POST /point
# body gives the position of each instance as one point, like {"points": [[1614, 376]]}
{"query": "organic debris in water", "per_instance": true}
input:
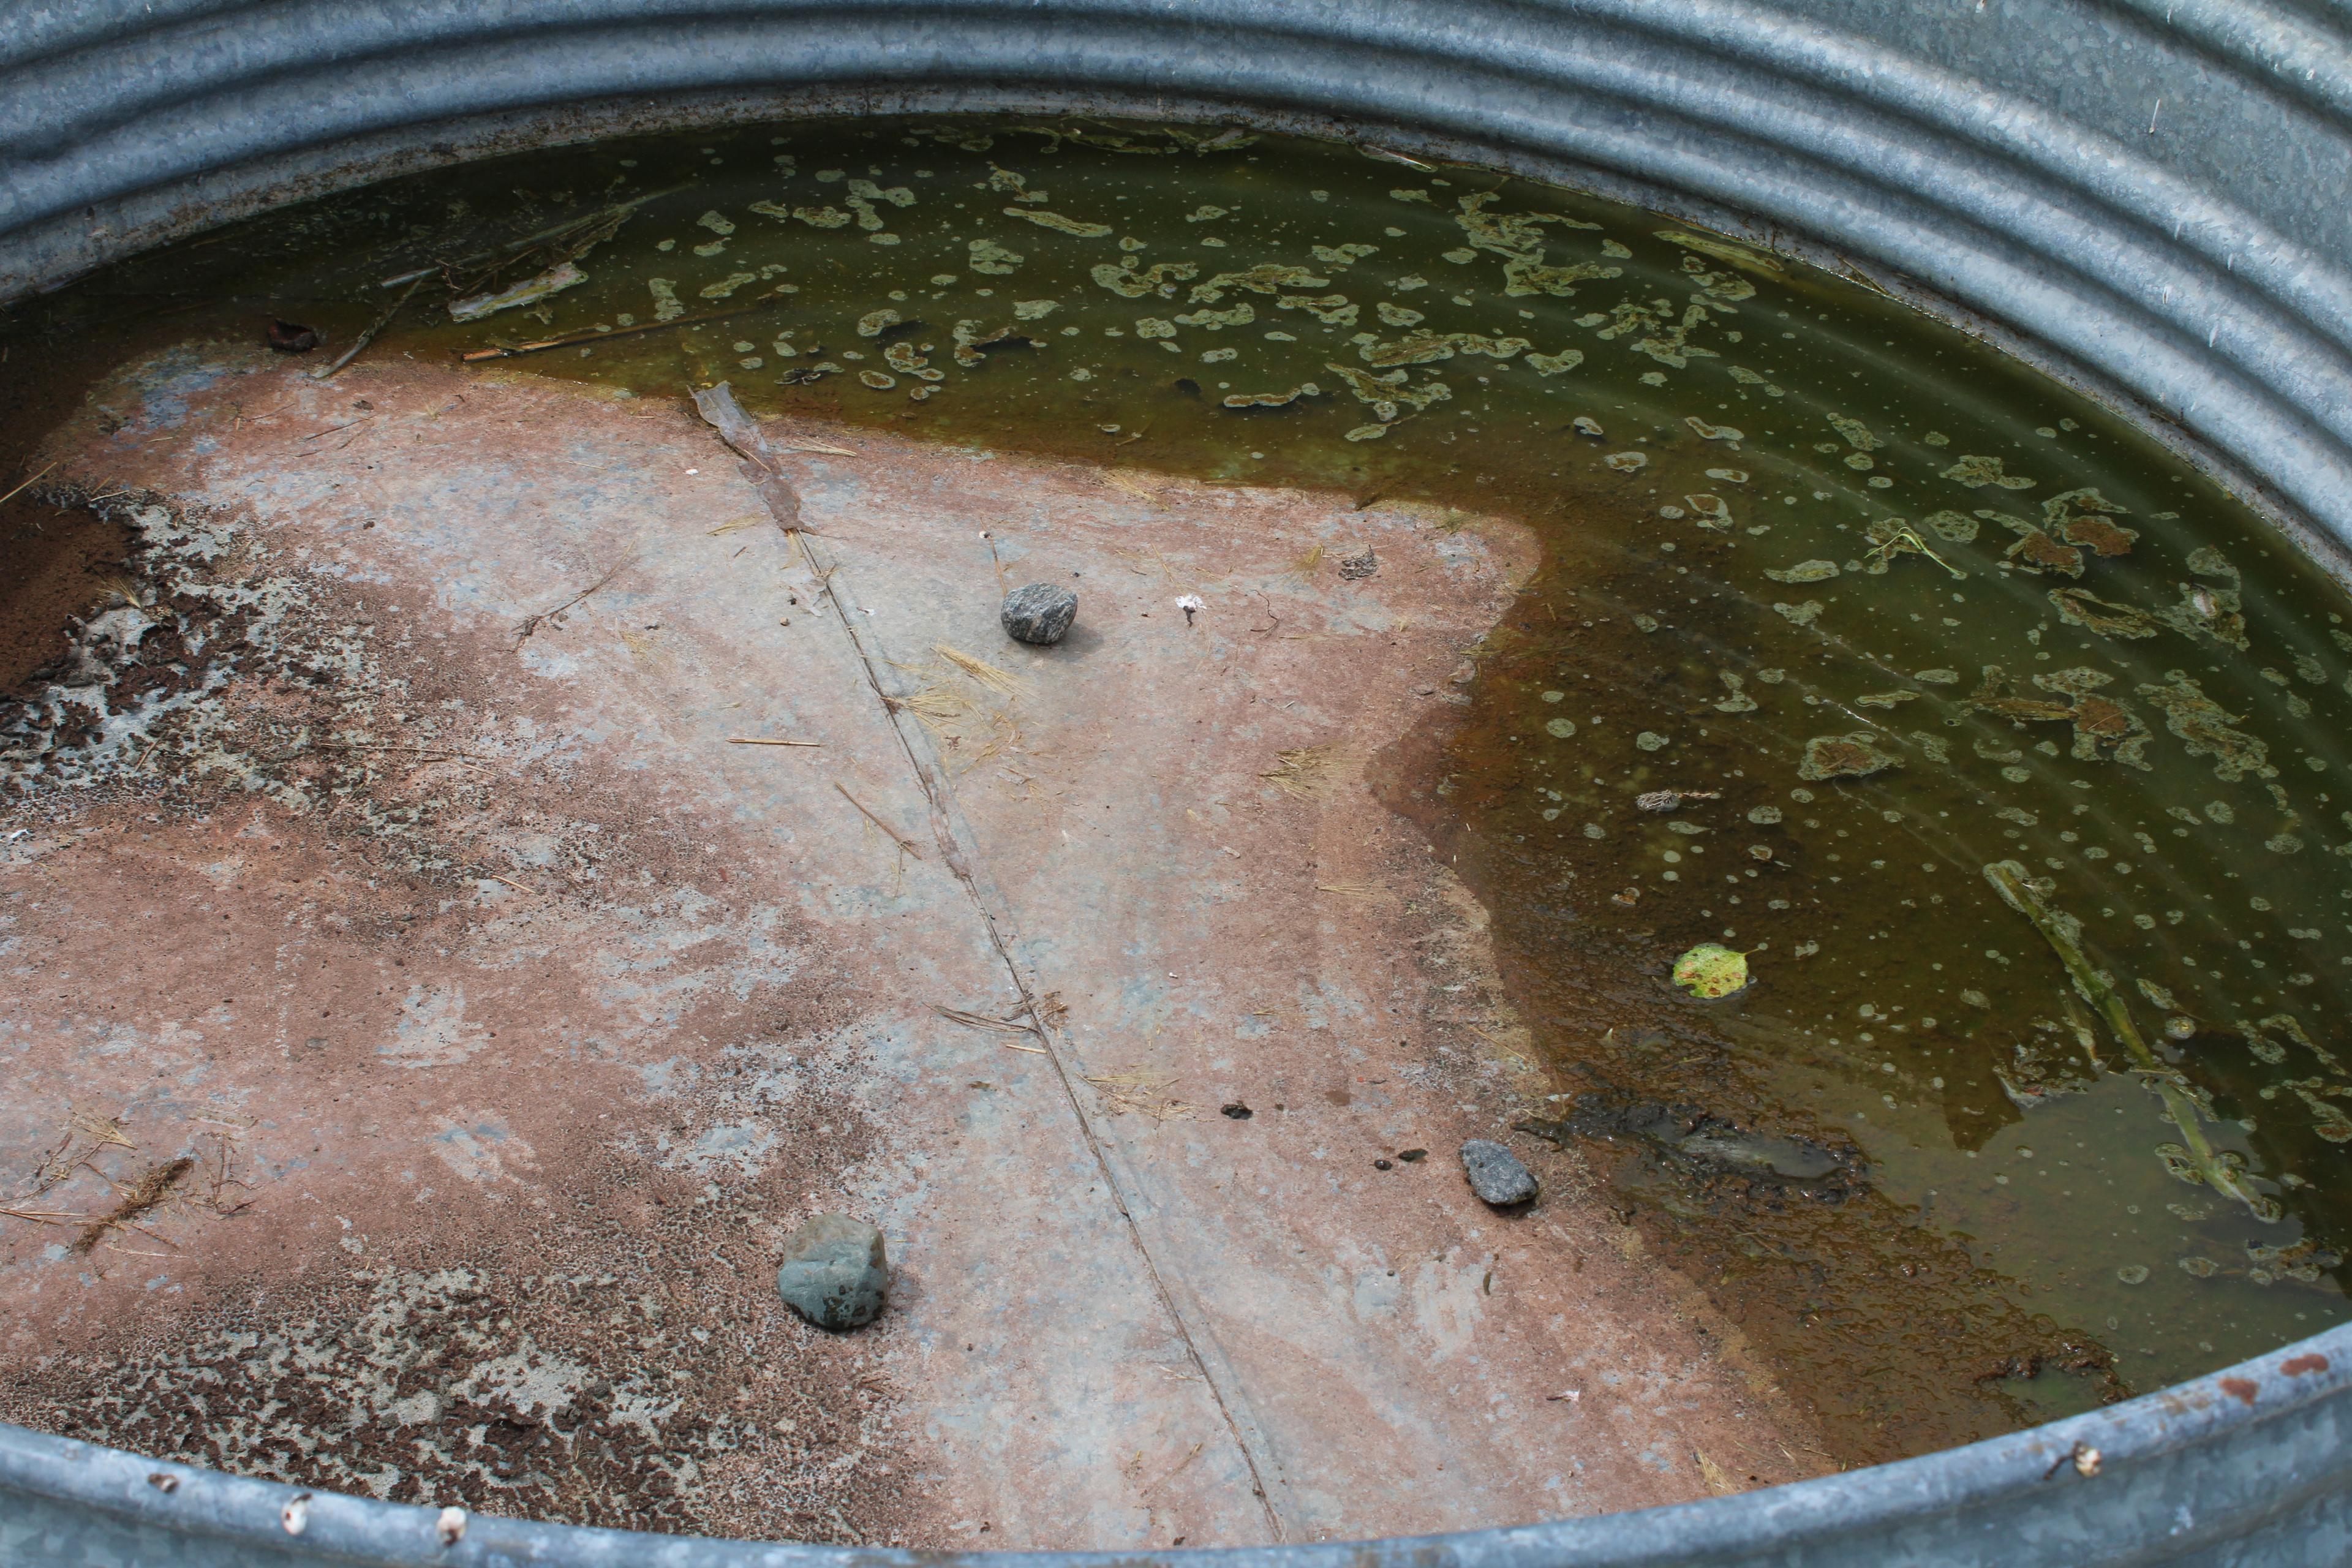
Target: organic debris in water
{"points": [[2194, 1159], [531, 291], [1663, 800], [1850, 756], [1710, 971]]}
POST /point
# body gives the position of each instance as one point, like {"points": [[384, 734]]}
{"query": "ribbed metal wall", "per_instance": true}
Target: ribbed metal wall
{"points": [[2148, 197], [2151, 199]]}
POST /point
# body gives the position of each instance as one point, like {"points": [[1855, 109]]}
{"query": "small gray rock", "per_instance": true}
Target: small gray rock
{"points": [[835, 1273], [1039, 613], [1495, 1174]]}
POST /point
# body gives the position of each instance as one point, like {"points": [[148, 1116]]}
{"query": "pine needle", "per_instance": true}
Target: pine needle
{"points": [[949, 711], [44, 469], [971, 1020], [1142, 487], [900, 839], [1004, 682]]}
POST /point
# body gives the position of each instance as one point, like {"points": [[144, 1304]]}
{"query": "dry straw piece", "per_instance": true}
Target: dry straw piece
{"points": [[904, 843], [1303, 773], [955, 717], [1145, 1093], [143, 1194]]}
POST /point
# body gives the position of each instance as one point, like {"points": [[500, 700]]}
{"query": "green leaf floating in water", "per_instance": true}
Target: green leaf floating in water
{"points": [[1709, 971]]}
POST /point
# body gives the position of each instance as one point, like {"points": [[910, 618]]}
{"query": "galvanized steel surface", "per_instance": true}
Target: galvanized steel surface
{"points": [[2152, 198], [2246, 1468], [2160, 205]]}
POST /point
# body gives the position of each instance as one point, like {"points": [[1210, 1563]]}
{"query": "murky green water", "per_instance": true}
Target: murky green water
{"points": [[1883, 609]]}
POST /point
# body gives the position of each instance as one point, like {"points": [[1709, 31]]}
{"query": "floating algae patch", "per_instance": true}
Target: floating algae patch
{"points": [[2007, 757]]}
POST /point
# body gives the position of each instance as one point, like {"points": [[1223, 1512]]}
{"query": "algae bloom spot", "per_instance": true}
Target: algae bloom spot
{"points": [[1710, 970]]}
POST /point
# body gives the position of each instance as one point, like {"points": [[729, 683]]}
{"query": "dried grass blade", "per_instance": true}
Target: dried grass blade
{"points": [[145, 1194], [1303, 772], [900, 839], [1001, 681], [980, 1020]]}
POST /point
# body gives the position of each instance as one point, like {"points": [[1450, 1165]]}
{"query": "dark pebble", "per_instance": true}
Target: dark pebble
{"points": [[1039, 613], [1384, 1165], [292, 337], [1238, 1111], [1411, 1156]]}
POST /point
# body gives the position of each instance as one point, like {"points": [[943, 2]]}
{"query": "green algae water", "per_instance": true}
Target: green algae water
{"points": [[2007, 754]]}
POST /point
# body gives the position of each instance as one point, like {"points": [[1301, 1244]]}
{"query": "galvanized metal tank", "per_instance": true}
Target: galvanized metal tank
{"points": [[2149, 199]]}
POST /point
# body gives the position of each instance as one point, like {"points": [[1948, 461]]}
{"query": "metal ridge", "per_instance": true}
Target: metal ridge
{"points": [[2017, 214], [2246, 1465]]}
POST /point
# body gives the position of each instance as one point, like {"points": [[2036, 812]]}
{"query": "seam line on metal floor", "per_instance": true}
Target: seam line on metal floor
{"points": [[951, 832]]}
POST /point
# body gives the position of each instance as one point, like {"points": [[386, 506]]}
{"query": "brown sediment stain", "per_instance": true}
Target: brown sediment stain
{"points": [[435, 1284], [2241, 1389], [453, 1069], [2296, 1366], [58, 566], [1874, 1326]]}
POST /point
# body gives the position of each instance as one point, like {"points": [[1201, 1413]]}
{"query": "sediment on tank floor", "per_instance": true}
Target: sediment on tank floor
{"points": [[1855, 816], [514, 1013]]}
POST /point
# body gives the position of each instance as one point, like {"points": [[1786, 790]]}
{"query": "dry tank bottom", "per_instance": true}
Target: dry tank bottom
{"points": [[547, 882]]}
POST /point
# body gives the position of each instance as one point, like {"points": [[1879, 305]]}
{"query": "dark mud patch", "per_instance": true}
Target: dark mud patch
{"points": [[451, 1224], [624, 1362], [58, 567], [1709, 1152], [1889, 1338]]}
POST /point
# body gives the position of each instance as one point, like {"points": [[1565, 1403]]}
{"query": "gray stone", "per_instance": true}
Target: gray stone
{"points": [[1039, 613], [1495, 1174], [835, 1273]]}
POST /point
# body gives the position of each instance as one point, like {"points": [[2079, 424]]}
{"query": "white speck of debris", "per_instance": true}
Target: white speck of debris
{"points": [[451, 1526], [1191, 604], [694, 470], [296, 1515], [20, 833], [1569, 1395]]}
